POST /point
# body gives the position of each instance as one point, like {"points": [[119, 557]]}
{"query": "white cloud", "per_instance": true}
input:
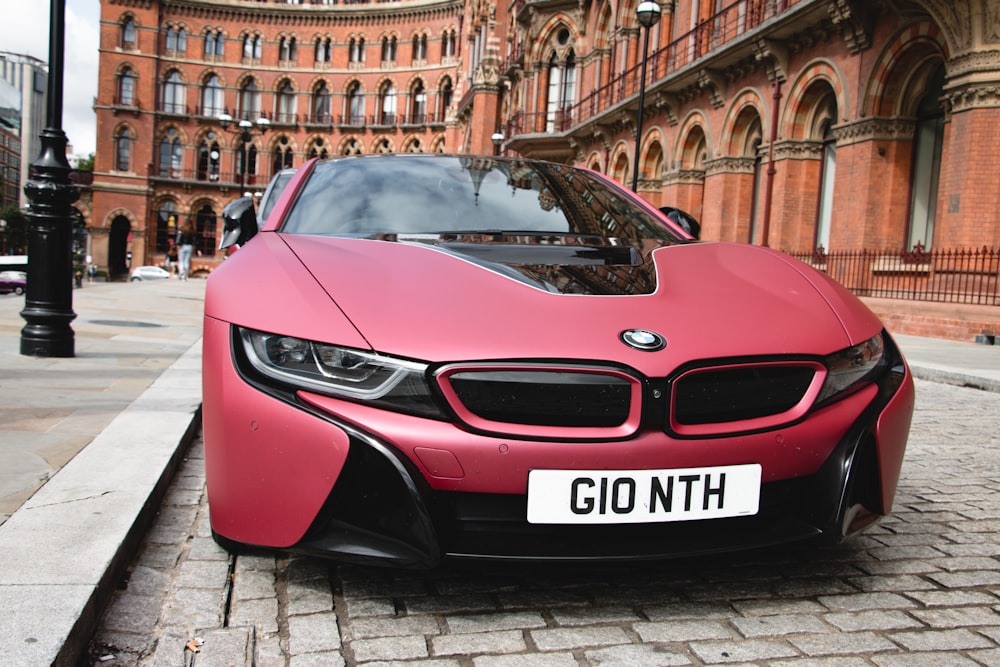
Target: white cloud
{"points": [[24, 29]]}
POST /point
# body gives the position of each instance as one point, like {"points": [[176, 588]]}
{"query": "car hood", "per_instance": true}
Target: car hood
{"points": [[442, 299]]}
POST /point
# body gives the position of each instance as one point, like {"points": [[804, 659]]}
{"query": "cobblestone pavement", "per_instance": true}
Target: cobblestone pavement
{"points": [[920, 588]]}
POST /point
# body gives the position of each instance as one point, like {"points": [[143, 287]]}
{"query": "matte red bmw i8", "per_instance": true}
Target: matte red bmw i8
{"points": [[421, 357]]}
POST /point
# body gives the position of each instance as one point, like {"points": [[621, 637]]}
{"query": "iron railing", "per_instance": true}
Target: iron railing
{"points": [[951, 275], [731, 23]]}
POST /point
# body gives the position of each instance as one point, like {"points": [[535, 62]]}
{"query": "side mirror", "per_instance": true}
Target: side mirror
{"points": [[239, 222], [683, 219]]}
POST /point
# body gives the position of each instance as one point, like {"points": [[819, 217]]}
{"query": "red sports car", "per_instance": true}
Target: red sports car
{"points": [[426, 356]]}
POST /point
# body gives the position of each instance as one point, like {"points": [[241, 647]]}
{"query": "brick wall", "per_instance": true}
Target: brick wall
{"points": [[936, 320]]}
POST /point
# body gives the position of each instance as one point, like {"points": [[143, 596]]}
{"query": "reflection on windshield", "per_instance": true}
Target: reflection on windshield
{"points": [[434, 194]]}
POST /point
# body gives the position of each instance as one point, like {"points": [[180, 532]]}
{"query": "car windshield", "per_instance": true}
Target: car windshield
{"points": [[435, 194]]}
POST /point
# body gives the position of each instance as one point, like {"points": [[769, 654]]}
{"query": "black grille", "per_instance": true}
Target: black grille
{"points": [[544, 398], [731, 394]]}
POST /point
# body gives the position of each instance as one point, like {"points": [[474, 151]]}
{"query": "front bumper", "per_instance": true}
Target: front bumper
{"points": [[291, 473]]}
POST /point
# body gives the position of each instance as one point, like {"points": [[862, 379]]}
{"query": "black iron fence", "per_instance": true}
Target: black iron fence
{"points": [[953, 275]]}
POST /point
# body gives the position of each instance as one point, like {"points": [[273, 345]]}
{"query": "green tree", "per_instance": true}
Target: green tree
{"points": [[86, 163], [15, 232]]}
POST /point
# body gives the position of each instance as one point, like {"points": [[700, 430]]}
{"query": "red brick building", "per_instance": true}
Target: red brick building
{"points": [[799, 124]]}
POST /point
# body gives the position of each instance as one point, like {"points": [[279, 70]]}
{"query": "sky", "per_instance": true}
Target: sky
{"points": [[24, 28]]}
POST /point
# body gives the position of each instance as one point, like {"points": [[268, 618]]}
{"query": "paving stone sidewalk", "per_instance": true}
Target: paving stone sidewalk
{"points": [[921, 588]]}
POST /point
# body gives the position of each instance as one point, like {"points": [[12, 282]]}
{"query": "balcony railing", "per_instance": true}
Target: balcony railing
{"points": [[968, 276], [724, 27]]}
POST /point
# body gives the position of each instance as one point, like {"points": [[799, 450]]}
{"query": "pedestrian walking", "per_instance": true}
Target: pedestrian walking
{"points": [[185, 246]]}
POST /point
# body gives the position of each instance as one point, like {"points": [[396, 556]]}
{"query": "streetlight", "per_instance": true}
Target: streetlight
{"points": [[48, 303], [648, 14], [245, 131], [497, 139]]}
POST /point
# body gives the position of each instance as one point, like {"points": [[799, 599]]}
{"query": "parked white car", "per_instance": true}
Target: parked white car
{"points": [[141, 273]]}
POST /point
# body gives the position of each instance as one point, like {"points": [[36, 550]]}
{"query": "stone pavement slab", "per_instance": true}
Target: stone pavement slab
{"points": [[94, 440]]}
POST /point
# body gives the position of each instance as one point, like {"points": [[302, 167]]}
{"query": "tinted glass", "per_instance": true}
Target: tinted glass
{"points": [[433, 194]]}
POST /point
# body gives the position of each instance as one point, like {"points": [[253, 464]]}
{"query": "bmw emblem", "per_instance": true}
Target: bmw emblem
{"points": [[644, 340]]}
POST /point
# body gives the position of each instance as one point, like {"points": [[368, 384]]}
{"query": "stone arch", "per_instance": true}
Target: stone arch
{"points": [[350, 145], [548, 42], [413, 144], [904, 65], [382, 144], [652, 157], [620, 165], [692, 149], [595, 163], [742, 125], [805, 100]]}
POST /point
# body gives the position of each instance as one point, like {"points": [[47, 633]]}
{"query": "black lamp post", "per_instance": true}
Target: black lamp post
{"points": [[648, 14], [48, 304], [245, 131]]}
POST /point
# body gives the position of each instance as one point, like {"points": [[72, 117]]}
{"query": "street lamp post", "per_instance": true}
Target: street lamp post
{"points": [[497, 139], [648, 14], [245, 131], [48, 304]]}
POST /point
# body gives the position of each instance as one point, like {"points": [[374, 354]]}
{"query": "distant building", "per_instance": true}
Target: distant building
{"points": [[10, 164], [23, 86]]}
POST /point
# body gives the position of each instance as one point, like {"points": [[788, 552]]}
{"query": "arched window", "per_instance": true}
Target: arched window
{"points": [[355, 105], [445, 95], [418, 103], [126, 88], [827, 175], [128, 34], [323, 50], [212, 98], [321, 103], [123, 149], [173, 93], [561, 91], [317, 149], [387, 104], [171, 154], [448, 42], [246, 165], [383, 146], [252, 46], [166, 225], [208, 158], [282, 156], [176, 39], [356, 53], [351, 147], [287, 50], [388, 50], [249, 106], [214, 43], [204, 229], [286, 103], [420, 47], [926, 166]]}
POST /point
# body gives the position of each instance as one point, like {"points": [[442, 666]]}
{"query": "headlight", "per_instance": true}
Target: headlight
{"points": [[359, 375], [852, 366]]}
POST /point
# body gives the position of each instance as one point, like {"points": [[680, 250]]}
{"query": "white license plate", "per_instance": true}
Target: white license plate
{"points": [[642, 496]]}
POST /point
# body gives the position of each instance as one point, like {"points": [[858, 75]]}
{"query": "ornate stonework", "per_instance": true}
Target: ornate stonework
{"points": [[714, 85], [873, 129], [729, 165], [854, 19], [974, 97], [798, 150], [684, 177]]}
